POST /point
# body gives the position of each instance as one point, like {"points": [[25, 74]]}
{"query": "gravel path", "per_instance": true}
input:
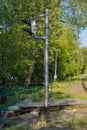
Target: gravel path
{"points": [[77, 89]]}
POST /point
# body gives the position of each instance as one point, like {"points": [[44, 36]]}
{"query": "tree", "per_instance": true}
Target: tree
{"points": [[84, 51], [20, 53]]}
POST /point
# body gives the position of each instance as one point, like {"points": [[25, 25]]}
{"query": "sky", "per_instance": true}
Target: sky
{"points": [[83, 38]]}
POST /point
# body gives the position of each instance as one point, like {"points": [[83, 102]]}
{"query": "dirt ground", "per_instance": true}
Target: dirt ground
{"points": [[57, 120]]}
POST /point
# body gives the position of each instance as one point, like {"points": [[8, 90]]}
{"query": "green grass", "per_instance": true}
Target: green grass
{"points": [[57, 91], [19, 128], [80, 96], [74, 124]]}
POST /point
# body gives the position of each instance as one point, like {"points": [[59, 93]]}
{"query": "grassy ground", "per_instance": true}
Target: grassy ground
{"points": [[58, 90], [70, 88]]}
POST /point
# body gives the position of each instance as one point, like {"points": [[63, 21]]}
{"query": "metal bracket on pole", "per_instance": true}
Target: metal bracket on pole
{"points": [[39, 37]]}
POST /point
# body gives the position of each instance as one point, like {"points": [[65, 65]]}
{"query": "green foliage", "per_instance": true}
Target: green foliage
{"points": [[21, 54], [84, 51]]}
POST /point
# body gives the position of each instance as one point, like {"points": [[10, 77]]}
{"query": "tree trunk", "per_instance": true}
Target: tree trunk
{"points": [[28, 77], [3, 97]]}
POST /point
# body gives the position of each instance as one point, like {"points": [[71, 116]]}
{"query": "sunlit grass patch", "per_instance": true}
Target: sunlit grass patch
{"points": [[80, 96]]}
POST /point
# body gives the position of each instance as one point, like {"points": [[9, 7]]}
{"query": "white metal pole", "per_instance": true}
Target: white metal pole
{"points": [[55, 75], [46, 59]]}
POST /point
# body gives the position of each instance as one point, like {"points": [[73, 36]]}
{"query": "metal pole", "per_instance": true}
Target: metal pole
{"points": [[46, 59], [55, 75]]}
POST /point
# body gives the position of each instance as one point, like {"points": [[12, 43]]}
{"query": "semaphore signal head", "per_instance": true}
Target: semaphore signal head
{"points": [[32, 24], [27, 21]]}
